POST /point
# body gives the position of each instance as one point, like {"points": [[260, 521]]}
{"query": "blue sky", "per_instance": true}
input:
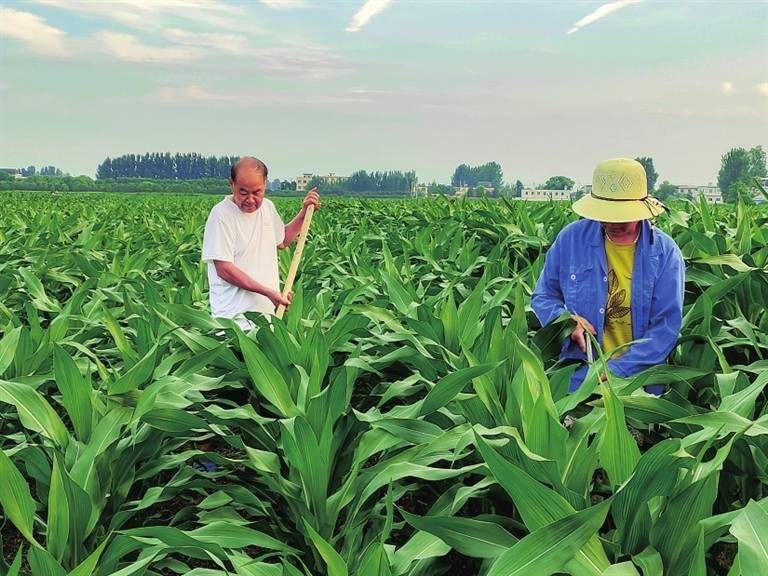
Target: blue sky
{"points": [[543, 88]]}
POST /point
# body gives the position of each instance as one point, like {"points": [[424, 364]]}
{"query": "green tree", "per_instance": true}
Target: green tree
{"points": [[650, 172], [740, 165], [518, 189], [666, 191], [557, 183], [462, 176], [316, 181]]}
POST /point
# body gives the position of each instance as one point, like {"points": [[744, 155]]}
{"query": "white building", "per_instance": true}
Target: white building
{"points": [[303, 180], [460, 191], [14, 172], [334, 179], [544, 195], [711, 192], [421, 189]]}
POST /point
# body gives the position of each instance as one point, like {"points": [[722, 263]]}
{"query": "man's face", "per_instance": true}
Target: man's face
{"points": [[248, 189], [620, 229]]}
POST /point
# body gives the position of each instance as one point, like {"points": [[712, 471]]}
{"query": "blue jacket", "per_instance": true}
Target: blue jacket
{"points": [[575, 278]]}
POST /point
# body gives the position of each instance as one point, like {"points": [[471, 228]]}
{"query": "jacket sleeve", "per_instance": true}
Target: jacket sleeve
{"points": [[547, 300], [665, 318]]}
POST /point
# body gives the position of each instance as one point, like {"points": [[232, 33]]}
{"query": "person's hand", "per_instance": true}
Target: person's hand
{"points": [[578, 336], [311, 199], [277, 298]]}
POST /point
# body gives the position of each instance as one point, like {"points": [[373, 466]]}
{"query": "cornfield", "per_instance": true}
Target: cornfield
{"points": [[407, 417]]}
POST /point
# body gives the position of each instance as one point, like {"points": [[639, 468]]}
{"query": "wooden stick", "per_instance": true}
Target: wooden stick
{"points": [[296, 257]]}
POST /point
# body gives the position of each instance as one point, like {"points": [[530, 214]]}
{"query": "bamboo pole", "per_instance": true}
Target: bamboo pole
{"points": [[296, 257]]}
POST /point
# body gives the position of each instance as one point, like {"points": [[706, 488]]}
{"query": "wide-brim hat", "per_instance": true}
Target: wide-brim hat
{"points": [[619, 194]]}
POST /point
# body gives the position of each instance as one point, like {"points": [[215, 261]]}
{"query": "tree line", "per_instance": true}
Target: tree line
{"points": [[197, 174], [394, 182], [166, 166], [488, 175]]}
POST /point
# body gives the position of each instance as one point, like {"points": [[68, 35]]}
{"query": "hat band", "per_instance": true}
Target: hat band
{"points": [[643, 199]]}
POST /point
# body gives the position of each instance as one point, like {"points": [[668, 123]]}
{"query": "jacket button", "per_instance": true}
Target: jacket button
{"points": [[602, 310], [573, 276], [605, 278]]}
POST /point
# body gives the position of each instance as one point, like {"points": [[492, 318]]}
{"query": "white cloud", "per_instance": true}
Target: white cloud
{"points": [[727, 88], [762, 88], [129, 48], [190, 93], [33, 32], [280, 4], [149, 14], [601, 12], [229, 43], [370, 9]]}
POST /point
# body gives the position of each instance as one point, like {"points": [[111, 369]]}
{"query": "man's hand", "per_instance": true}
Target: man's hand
{"points": [[312, 198], [277, 298], [578, 335]]}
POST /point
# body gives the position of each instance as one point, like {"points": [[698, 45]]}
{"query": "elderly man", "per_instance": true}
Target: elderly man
{"points": [[621, 278], [240, 243]]}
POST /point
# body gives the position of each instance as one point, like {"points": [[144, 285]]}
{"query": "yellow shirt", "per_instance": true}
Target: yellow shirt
{"points": [[618, 316]]}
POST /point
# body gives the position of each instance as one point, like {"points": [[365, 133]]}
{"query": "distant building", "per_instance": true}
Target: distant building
{"points": [[460, 190], [330, 179], [334, 179], [421, 190], [15, 172], [544, 195], [303, 180], [711, 192], [486, 186]]}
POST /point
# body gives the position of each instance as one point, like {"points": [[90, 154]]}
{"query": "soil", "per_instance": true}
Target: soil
{"points": [[11, 540]]}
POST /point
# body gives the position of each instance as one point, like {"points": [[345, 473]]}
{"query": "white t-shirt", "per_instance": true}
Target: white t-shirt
{"points": [[250, 241]]}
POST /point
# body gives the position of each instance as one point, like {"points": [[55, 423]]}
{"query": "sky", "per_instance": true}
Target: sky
{"points": [[544, 88]]}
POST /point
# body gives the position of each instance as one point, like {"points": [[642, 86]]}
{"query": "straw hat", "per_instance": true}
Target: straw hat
{"points": [[619, 194]]}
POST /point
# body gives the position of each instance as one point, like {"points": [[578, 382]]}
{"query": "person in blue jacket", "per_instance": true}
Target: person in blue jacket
{"points": [[618, 276]]}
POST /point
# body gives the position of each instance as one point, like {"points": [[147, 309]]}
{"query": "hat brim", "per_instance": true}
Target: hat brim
{"points": [[617, 210]]}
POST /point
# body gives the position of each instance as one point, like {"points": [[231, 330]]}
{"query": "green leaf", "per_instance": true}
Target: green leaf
{"points": [[649, 561], [15, 567], [375, 561], [622, 569], [174, 420], [8, 348], [76, 393], [138, 375], [34, 411], [548, 549], [58, 513], [40, 299], [539, 506], [334, 562], [229, 535], [448, 387], [266, 378], [468, 536], [619, 453], [88, 566], [15, 498], [751, 529], [43, 564]]}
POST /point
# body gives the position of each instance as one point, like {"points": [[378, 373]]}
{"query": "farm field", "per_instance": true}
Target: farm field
{"points": [[407, 418]]}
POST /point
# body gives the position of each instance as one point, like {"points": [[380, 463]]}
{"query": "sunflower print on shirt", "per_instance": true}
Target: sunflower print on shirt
{"points": [[617, 297]]}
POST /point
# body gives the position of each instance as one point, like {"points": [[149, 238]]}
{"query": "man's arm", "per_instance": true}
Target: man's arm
{"points": [[234, 275], [547, 300], [665, 319], [293, 228]]}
